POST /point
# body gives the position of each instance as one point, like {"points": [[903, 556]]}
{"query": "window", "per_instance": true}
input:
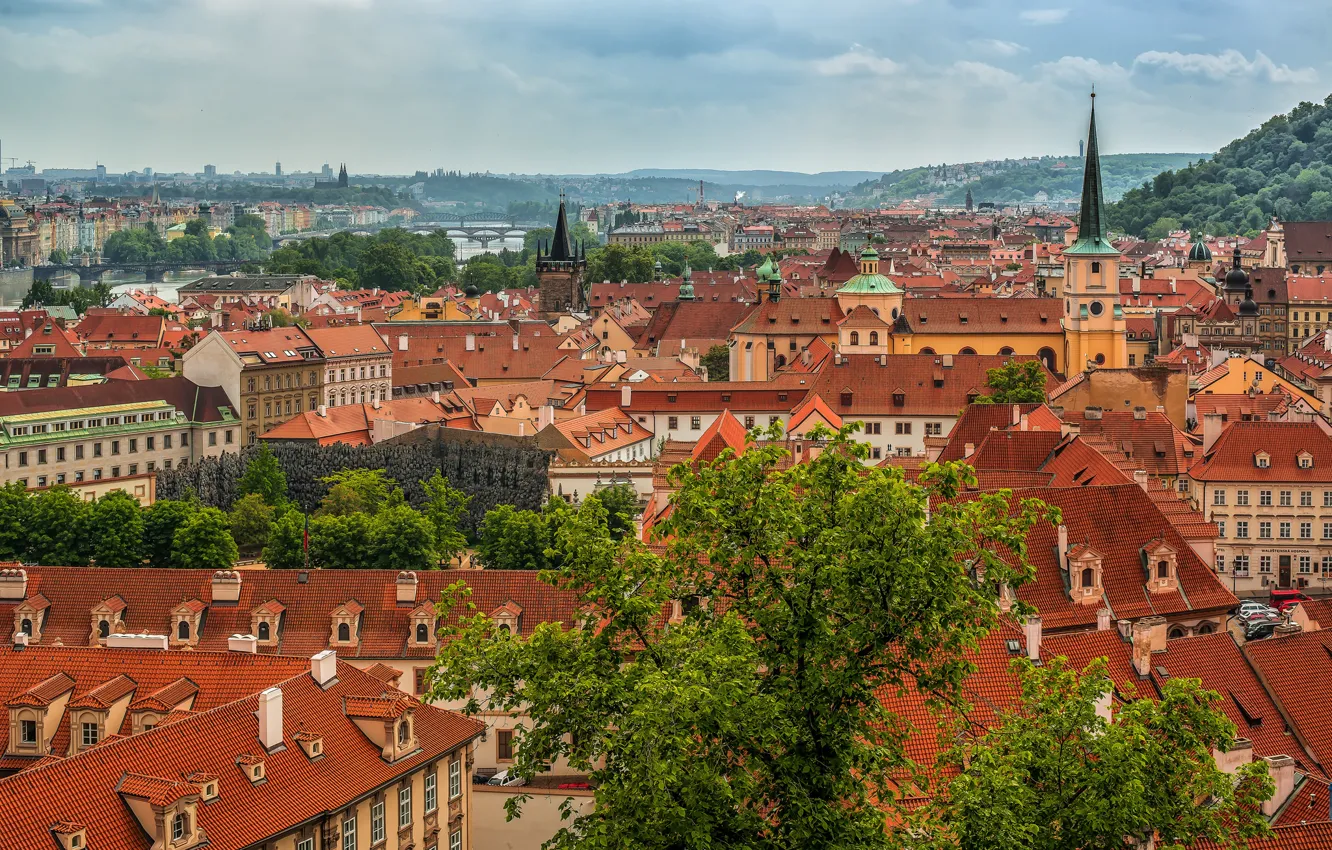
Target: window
{"points": [[1327, 564], [23, 459], [1327, 498], [902, 427], [1262, 461], [180, 825], [1241, 565], [455, 840], [1306, 564], [184, 440], [1221, 529], [1218, 496], [212, 438], [1306, 498], [78, 452], [28, 730], [749, 422], [1284, 529], [695, 423], [1265, 563], [115, 447], [264, 631], [1242, 529], [1242, 497], [455, 779], [404, 732], [349, 833], [377, 822], [1327, 531], [1285, 498], [672, 422], [876, 452], [133, 445], [1220, 563], [404, 807], [1306, 531], [305, 844], [183, 630], [1163, 569], [230, 435], [504, 744], [1265, 498], [60, 454], [1265, 529], [344, 632]]}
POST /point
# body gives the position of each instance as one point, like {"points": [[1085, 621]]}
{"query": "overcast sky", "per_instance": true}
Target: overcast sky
{"points": [[391, 86]]}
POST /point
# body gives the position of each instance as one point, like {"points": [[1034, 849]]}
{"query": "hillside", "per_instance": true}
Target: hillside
{"points": [[1283, 168], [1015, 181], [823, 179]]}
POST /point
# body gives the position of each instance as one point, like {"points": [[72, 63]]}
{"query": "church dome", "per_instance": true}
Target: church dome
{"points": [[1237, 280], [1200, 253], [1248, 307]]}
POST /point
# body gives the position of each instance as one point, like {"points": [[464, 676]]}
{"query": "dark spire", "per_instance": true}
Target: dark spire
{"points": [[561, 250], [1091, 217]]}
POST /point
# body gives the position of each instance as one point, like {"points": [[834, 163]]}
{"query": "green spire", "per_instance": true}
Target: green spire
{"points": [[1091, 216]]}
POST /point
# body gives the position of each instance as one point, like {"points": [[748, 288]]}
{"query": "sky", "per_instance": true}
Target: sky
{"points": [[583, 86]]}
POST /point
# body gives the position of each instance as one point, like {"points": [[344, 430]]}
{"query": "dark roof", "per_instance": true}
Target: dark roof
{"points": [[198, 403], [45, 368], [1090, 215], [242, 283], [1308, 241]]}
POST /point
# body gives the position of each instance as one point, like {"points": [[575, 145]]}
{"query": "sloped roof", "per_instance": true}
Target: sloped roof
{"points": [[1232, 456]]}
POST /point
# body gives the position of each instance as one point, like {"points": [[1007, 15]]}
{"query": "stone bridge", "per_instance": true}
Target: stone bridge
{"points": [[153, 272]]}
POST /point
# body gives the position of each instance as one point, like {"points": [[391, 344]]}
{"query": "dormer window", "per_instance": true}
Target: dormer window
{"points": [[346, 624], [1262, 460], [180, 827], [103, 629], [183, 630], [265, 632], [1304, 460], [507, 618], [252, 767], [344, 633], [404, 732], [1161, 566], [264, 621]]}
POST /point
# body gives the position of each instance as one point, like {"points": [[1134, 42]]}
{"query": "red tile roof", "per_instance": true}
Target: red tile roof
{"points": [[348, 342], [1152, 442], [927, 386], [1233, 456], [199, 404], [792, 316], [1289, 667], [691, 320], [1313, 836], [279, 345], [984, 315]]}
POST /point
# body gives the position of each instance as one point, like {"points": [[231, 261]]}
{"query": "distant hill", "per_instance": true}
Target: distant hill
{"points": [[1283, 168], [824, 179], [1016, 181]]}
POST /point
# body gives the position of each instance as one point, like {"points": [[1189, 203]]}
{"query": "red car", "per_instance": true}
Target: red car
{"points": [[1283, 599]]}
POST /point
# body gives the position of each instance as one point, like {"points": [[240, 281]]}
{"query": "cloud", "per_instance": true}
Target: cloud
{"points": [[1228, 64], [857, 60], [1043, 17], [979, 73], [1081, 69], [998, 46]]}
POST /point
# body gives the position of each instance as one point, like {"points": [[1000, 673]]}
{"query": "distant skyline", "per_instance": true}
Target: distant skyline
{"points": [[584, 86]]}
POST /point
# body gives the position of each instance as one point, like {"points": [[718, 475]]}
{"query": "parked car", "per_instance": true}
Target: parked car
{"points": [[1256, 611], [1283, 599], [506, 779], [1260, 629]]}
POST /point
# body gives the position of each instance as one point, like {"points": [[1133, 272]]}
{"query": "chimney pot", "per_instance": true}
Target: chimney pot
{"points": [[324, 667], [1282, 771], [1032, 631], [243, 643], [406, 584], [1062, 532], [270, 718], [1103, 620]]}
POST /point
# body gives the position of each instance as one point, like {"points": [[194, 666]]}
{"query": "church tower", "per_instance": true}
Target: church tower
{"points": [[1093, 318], [559, 272]]}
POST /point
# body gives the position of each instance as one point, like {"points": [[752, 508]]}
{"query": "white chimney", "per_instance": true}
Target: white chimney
{"points": [[406, 585], [402, 342], [375, 402], [1062, 545], [243, 643], [226, 587], [1140, 478], [1282, 771], [434, 396], [1239, 754], [20, 639], [1212, 428], [522, 428], [1137, 286], [545, 416], [270, 718], [1103, 619], [1024, 424], [14, 585], [515, 342], [324, 667], [125, 641], [626, 395], [1017, 414], [968, 449], [1032, 630], [323, 411], [470, 343]]}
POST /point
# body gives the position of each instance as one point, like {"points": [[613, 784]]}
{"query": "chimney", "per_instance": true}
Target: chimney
{"points": [[270, 718], [20, 640], [137, 641], [522, 429], [402, 342], [1031, 629], [1062, 544], [434, 396], [13, 585], [1017, 414], [1137, 286], [1024, 424], [375, 402], [406, 585], [948, 361], [1092, 412], [1104, 701], [324, 667], [323, 411], [515, 342], [968, 449], [1141, 478], [1239, 754], [243, 643], [1282, 771], [626, 394], [1140, 413], [1212, 427], [1142, 647], [1188, 340], [226, 587], [471, 342], [545, 416], [1103, 619]]}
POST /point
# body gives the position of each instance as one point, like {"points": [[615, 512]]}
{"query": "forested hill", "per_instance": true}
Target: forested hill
{"points": [[1283, 168]]}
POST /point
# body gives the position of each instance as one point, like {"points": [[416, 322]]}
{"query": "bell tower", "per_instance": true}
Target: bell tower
{"points": [[1093, 318], [559, 272]]}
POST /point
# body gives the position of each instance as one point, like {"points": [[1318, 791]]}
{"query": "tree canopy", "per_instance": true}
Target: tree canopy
{"points": [[392, 259], [1015, 382]]}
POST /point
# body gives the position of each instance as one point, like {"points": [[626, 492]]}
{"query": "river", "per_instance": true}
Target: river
{"points": [[121, 282]]}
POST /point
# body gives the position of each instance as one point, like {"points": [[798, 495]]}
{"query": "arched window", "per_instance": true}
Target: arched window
{"points": [[183, 630], [967, 350], [855, 338], [504, 629], [180, 825], [103, 628], [1163, 569], [404, 732], [1177, 632], [344, 632], [1006, 351], [1100, 358], [422, 633], [1206, 628], [1088, 577], [26, 626], [1047, 357], [264, 631], [1096, 267], [927, 350], [874, 337]]}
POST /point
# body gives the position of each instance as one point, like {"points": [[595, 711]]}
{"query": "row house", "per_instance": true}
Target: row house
{"points": [[358, 364]]}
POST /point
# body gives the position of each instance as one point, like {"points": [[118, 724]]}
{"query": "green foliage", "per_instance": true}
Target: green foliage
{"points": [[391, 259], [204, 542], [251, 517], [43, 294], [621, 504], [1053, 775], [620, 262], [58, 257], [161, 521], [15, 520], [286, 541], [113, 525], [488, 273], [445, 508], [755, 720], [512, 539], [1015, 382], [264, 477], [340, 541], [354, 491], [717, 361], [1283, 168], [55, 530], [245, 240], [401, 539]]}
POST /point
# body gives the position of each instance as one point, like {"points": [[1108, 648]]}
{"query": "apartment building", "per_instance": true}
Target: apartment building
{"points": [[1268, 488], [269, 376], [113, 430], [358, 366]]}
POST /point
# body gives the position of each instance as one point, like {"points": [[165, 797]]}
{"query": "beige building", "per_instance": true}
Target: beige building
{"points": [[1268, 487], [112, 431], [358, 366]]}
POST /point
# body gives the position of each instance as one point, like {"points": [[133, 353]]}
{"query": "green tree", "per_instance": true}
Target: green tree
{"points": [[264, 477], [1015, 382], [55, 528], [621, 504], [58, 257], [1055, 775], [487, 273], [718, 363], [353, 491], [619, 262], [134, 245], [340, 541], [401, 539], [161, 521], [42, 293], [204, 542], [445, 507], [512, 539], [286, 542], [251, 518], [15, 520], [114, 526], [754, 719]]}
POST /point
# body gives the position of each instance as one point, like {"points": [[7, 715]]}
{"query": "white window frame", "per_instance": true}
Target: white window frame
{"points": [[377, 822], [404, 807], [455, 779], [455, 840], [431, 791], [349, 833]]}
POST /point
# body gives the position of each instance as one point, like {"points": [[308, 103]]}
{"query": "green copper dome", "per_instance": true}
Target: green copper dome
{"points": [[1200, 252], [765, 270], [870, 284]]}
